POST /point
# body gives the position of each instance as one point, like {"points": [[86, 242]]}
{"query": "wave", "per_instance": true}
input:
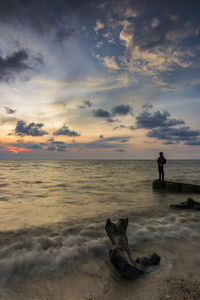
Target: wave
{"points": [[173, 226], [71, 247]]}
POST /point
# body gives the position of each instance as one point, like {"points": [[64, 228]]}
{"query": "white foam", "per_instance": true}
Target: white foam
{"points": [[170, 227], [67, 250]]}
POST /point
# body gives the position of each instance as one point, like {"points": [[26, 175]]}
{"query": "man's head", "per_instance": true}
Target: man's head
{"points": [[161, 153]]}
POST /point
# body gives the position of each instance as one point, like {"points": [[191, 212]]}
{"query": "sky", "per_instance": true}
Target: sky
{"points": [[99, 79]]}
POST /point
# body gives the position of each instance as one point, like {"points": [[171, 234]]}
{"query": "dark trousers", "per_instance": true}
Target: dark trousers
{"points": [[161, 172]]}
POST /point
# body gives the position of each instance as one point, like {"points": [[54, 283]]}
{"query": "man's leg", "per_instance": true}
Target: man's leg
{"points": [[159, 171], [163, 174]]}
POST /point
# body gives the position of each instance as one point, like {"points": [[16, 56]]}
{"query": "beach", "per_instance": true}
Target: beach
{"points": [[53, 243]]}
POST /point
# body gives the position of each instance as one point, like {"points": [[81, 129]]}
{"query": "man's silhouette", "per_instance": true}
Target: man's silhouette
{"points": [[161, 161]]}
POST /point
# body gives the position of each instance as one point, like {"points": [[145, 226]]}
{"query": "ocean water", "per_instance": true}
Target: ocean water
{"points": [[53, 243]]}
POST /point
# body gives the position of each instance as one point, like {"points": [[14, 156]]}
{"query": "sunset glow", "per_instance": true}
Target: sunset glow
{"points": [[101, 80]]}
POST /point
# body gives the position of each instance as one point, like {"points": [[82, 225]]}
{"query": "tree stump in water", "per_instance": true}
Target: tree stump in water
{"points": [[120, 253], [188, 204]]}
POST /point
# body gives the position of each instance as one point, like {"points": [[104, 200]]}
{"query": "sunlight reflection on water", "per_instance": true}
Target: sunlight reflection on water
{"points": [[35, 193]]}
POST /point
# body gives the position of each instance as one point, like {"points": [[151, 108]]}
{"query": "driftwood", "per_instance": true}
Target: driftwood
{"points": [[188, 204], [120, 253]]}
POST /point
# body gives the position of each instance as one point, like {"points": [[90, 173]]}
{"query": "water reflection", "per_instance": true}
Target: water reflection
{"points": [[39, 192]]}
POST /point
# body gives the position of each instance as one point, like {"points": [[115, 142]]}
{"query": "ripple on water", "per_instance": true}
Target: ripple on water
{"points": [[3, 184], [4, 199], [62, 185]]}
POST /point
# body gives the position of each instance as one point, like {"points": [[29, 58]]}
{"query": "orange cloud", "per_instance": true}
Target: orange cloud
{"points": [[16, 150]]}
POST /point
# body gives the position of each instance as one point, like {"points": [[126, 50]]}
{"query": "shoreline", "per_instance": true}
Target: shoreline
{"points": [[73, 263]]}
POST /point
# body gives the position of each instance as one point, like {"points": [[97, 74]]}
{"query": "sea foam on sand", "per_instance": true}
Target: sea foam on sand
{"points": [[73, 262]]}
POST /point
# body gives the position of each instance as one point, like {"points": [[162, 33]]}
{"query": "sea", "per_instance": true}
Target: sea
{"points": [[53, 243]]}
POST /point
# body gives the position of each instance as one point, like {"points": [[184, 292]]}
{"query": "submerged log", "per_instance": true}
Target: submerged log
{"points": [[120, 253], [188, 204]]}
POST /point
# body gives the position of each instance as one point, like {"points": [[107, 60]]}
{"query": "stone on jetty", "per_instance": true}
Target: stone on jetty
{"points": [[188, 204], [174, 186], [120, 253]]}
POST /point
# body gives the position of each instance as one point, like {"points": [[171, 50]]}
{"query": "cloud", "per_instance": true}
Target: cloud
{"points": [[168, 143], [155, 22], [101, 113], [110, 120], [110, 63], [129, 13], [54, 146], [63, 34], [45, 16], [121, 110], [120, 126], [162, 33], [164, 128], [13, 64], [189, 136], [51, 148], [149, 120], [99, 44], [32, 129], [106, 143], [60, 146], [33, 146], [99, 25], [101, 143], [121, 139], [193, 142], [51, 145], [10, 111], [86, 104], [147, 106], [65, 131], [108, 35], [160, 41]]}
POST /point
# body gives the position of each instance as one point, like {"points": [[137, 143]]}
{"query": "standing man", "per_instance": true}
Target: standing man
{"points": [[161, 162]]}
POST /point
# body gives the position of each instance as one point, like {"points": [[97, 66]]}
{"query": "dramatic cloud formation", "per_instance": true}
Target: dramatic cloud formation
{"points": [[113, 67], [164, 128], [13, 64], [32, 129], [149, 120], [65, 131], [189, 136]]}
